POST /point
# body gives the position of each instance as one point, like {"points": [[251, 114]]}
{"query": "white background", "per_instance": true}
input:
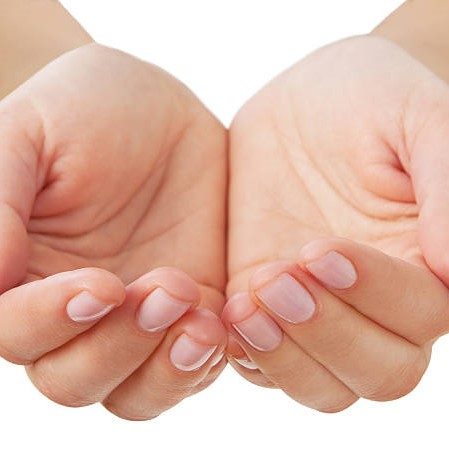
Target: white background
{"points": [[225, 51]]}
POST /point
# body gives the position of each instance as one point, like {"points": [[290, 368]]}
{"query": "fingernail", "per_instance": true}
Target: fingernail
{"points": [[246, 363], [334, 270], [217, 359], [260, 331], [286, 297], [188, 355], [85, 307], [160, 310]]}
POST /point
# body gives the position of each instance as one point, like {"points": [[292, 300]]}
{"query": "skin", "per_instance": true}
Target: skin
{"points": [[79, 222], [358, 155], [118, 175], [32, 34], [420, 28]]}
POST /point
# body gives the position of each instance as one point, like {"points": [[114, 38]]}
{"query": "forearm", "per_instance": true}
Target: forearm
{"points": [[422, 28], [33, 33]]}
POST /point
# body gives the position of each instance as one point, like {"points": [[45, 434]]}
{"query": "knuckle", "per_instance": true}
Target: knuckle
{"points": [[400, 381], [54, 388], [94, 276]]}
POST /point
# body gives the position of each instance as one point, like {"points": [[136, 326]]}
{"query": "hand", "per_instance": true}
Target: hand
{"points": [[109, 169], [351, 142]]}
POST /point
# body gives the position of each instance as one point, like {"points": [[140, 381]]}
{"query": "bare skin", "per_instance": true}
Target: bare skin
{"points": [[32, 34], [124, 173], [121, 170], [347, 143]]}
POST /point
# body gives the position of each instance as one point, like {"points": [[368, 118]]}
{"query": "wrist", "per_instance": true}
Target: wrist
{"points": [[33, 33], [421, 28]]}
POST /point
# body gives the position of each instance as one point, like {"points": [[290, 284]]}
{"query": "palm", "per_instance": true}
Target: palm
{"points": [[327, 143], [131, 175]]}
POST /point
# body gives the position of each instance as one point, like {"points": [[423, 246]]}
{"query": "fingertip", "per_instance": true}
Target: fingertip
{"points": [[176, 282], [319, 247], [243, 317], [163, 296], [268, 272], [205, 327], [187, 354], [199, 340], [336, 262], [236, 353], [105, 286], [180, 283], [40, 316], [238, 307]]}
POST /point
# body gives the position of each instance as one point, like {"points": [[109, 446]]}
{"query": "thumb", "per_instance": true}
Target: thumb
{"points": [[429, 169], [19, 133]]}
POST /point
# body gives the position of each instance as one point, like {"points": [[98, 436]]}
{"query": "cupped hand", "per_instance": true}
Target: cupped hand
{"points": [[349, 143], [109, 169]]}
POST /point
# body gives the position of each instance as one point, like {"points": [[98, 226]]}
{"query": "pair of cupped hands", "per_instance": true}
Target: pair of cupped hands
{"points": [[129, 214]]}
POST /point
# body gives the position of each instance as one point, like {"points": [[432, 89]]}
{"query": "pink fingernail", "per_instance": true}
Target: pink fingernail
{"points": [[160, 310], [260, 331], [286, 297], [246, 363], [188, 355], [254, 325], [334, 270], [85, 307]]}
